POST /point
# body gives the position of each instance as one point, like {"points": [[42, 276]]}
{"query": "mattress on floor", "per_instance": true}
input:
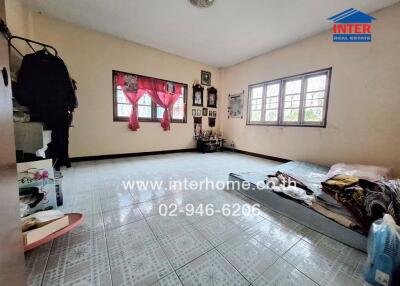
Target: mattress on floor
{"points": [[308, 173], [312, 175]]}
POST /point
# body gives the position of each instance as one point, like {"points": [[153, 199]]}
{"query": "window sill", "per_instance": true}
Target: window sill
{"points": [[142, 120], [286, 124]]}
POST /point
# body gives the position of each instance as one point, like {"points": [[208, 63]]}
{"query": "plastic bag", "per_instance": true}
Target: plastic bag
{"points": [[383, 265], [295, 193]]}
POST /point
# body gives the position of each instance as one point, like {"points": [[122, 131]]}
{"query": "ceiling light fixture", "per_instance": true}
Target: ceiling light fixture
{"points": [[202, 3]]}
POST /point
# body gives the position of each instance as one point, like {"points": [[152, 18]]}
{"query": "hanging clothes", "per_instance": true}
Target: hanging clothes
{"points": [[44, 86]]}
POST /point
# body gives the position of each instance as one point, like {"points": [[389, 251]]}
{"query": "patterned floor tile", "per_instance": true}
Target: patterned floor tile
{"points": [[277, 237], [250, 257], [78, 260], [35, 264], [121, 237], [170, 280], [91, 223], [122, 216], [184, 246], [86, 208], [168, 227], [147, 195], [269, 214], [218, 229], [282, 273], [297, 228], [322, 264], [210, 269], [245, 221], [151, 208], [138, 263], [116, 202]]}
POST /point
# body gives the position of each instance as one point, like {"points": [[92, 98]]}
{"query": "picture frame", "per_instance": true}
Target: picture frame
{"points": [[214, 113], [205, 111], [210, 113], [205, 78], [212, 97], [211, 122], [197, 121], [197, 95], [235, 105], [194, 112], [198, 112]]}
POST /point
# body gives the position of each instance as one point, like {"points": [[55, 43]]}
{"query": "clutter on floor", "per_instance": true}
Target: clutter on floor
{"points": [[353, 196], [208, 141], [43, 104], [383, 265], [366, 191], [41, 224], [124, 229], [36, 187], [45, 226]]}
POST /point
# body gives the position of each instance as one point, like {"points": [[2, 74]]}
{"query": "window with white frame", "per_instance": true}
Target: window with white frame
{"points": [[295, 101]]}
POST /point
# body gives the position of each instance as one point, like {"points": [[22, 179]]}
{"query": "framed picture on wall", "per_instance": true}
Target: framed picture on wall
{"points": [[235, 105], [214, 113], [212, 97], [206, 78], [198, 112], [197, 95], [197, 125], [211, 122], [205, 111]]}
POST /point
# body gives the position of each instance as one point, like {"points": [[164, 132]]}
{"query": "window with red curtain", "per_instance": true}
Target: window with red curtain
{"points": [[148, 110]]}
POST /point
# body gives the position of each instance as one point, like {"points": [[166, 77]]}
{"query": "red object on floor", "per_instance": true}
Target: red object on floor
{"points": [[75, 219]]}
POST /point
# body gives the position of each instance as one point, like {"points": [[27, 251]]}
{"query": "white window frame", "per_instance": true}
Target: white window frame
{"points": [[301, 122]]}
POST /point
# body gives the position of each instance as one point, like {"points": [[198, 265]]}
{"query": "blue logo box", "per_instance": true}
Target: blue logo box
{"points": [[352, 37]]}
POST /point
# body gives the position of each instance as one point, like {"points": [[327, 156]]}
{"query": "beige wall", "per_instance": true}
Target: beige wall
{"points": [[363, 123], [19, 21], [363, 119], [91, 57]]}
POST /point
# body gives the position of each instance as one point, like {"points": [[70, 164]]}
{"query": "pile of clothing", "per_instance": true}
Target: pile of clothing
{"points": [[302, 183], [352, 195], [367, 194]]}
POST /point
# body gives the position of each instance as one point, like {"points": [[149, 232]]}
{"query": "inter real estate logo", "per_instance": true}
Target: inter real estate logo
{"points": [[352, 26]]}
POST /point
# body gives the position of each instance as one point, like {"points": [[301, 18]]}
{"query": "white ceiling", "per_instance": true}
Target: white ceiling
{"points": [[225, 34]]}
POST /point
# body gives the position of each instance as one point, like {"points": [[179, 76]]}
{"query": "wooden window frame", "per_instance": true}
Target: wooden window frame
{"points": [[153, 117], [300, 122]]}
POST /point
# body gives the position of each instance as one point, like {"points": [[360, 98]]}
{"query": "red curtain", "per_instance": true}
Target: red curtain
{"points": [[162, 96], [129, 85], [135, 86]]}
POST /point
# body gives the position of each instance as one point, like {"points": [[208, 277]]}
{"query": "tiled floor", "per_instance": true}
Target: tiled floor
{"points": [[124, 240]]}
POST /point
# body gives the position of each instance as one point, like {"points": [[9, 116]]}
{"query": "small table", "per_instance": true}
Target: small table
{"points": [[210, 145]]}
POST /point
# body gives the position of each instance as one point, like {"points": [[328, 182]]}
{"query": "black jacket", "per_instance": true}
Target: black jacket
{"points": [[44, 86], [44, 82]]}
